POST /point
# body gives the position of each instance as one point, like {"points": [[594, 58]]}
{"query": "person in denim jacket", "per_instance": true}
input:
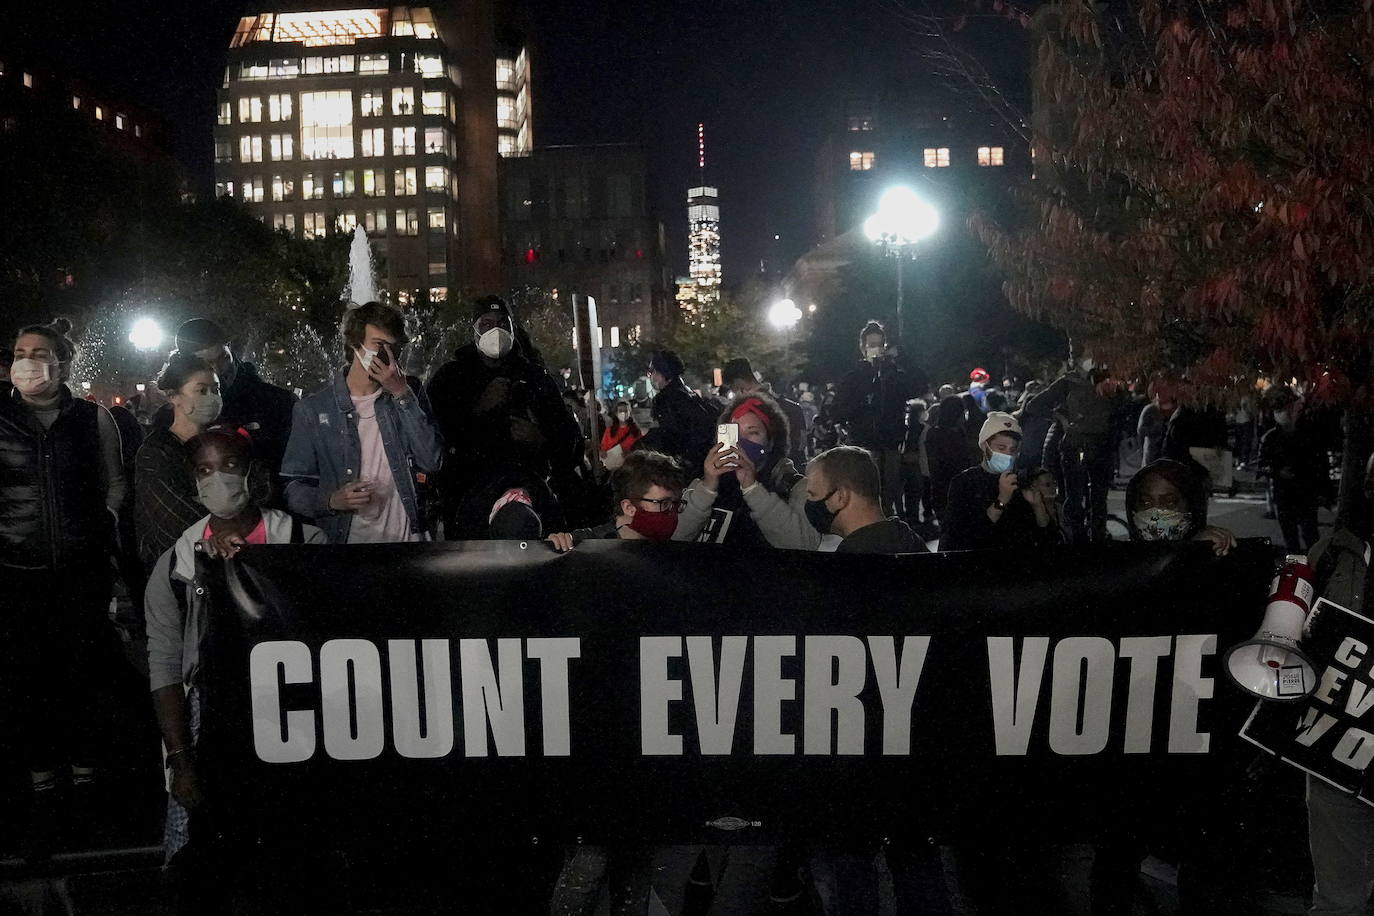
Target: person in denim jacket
{"points": [[364, 447]]}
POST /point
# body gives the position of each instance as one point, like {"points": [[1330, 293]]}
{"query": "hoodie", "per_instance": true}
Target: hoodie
{"points": [[1192, 485]]}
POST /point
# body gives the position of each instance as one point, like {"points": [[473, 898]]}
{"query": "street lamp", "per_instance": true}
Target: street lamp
{"points": [[902, 220], [146, 334], [784, 314]]}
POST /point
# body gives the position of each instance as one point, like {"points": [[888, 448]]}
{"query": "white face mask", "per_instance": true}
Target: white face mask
{"points": [[622, 415], [873, 352], [33, 377], [203, 409], [365, 357], [225, 495], [495, 343]]}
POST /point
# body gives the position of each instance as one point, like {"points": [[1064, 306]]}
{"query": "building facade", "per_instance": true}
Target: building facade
{"points": [[384, 118], [576, 219], [701, 293]]}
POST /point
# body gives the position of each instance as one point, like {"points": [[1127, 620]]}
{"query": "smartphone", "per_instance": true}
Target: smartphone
{"points": [[384, 353], [727, 434]]}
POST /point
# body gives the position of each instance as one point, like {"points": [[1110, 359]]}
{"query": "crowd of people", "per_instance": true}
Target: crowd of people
{"points": [[212, 459]]}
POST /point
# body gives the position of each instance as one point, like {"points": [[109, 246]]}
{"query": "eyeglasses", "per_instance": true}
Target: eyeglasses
{"points": [[666, 504]]}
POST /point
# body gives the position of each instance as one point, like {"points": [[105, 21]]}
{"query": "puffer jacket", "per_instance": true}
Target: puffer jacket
{"points": [[52, 499]]}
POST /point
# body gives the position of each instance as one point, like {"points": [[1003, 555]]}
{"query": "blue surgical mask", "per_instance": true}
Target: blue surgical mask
{"points": [[753, 451], [1000, 463]]}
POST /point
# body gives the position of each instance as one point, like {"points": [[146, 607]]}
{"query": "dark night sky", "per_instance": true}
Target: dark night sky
{"points": [[761, 74]]}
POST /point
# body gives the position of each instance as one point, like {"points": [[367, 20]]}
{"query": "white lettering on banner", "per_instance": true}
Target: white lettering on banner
{"points": [[1080, 700], [716, 702], [434, 736], [897, 687], [771, 690], [352, 704], [1351, 652], [1361, 699], [1331, 681], [485, 702], [1312, 728], [351, 701], [656, 691], [836, 669], [1355, 749], [280, 736]]}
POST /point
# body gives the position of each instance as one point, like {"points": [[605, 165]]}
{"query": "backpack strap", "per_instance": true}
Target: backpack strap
{"points": [[297, 531]]}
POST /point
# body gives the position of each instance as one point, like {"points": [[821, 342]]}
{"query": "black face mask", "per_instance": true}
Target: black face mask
{"points": [[818, 515]]}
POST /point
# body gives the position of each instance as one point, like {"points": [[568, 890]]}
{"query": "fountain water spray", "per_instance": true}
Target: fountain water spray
{"points": [[362, 286]]}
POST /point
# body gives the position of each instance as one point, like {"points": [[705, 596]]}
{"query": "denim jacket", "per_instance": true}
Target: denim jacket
{"points": [[324, 452]]}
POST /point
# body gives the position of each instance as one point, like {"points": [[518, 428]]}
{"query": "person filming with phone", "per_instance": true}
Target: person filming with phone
{"points": [[987, 506], [364, 448], [750, 492]]}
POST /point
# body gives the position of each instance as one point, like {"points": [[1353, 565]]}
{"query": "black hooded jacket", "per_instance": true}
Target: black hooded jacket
{"points": [[1189, 482]]}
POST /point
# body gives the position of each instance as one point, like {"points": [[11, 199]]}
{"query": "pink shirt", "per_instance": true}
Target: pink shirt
{"points": [[257, 536], [384, 520]]}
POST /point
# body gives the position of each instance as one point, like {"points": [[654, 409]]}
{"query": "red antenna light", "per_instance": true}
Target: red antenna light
{"points": [[701, 146]]}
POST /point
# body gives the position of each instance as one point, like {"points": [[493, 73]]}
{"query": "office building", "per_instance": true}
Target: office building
{"points": [[701, 294], [384, 118], [577, 219]]}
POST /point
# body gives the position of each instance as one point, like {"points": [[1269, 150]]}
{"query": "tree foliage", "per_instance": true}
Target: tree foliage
{"points": [[1203, 199]]}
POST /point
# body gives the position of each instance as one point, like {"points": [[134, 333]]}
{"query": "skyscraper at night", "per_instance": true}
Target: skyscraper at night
{"points": [[701, 293], [385, 118]]}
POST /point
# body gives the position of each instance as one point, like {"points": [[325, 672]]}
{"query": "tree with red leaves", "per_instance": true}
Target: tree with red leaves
{"points": [[1204, 196]]}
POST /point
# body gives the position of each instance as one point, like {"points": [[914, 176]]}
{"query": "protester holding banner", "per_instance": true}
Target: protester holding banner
{"points": [[647, 490], [1167, 501], [987, 508], [750, 493], [164, 493], [364, 447], [61, 486], [842, 488]]}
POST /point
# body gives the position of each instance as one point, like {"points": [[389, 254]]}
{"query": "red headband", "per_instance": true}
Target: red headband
{"points": [[755, 407]]}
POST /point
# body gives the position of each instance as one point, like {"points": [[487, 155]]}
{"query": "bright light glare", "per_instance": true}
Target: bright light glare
{"points": [[902, 218], [784, 314], [146, 335]]}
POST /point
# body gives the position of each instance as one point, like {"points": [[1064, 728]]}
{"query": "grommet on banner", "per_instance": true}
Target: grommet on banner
{"points": [[524, 546]]}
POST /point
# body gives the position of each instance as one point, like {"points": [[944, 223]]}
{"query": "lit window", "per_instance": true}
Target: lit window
{"points": [[505, 74], [937, 158], [505, 112], [436, 217], [279, 107], [400, 22], [374, 141], [284, 68], [28, 80], [224, 150], [403, 182], [436, 140], [224, 189], [250, 149], [424, 22], [408, 222], [433, 102], [252, 190], [403, 101], [343, 63], [285, 222], [119, 122], [860, 122], [374, 63], [374, 220], [403, 141], [436, 178], [343, 184], [438, 293], [312, 186], [76, 101], [283, 147], [990, 155], [437, 267], [138, 130], [371, 103], [313, 226], [283, 188], [250, 110], [346, 222], [226, 114], [99, 113], [327, 125], [429, 65], [506, 145], [374, 183], [860, 162]]}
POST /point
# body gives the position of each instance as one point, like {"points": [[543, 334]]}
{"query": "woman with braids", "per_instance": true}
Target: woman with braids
{"points": [[61, 486]]}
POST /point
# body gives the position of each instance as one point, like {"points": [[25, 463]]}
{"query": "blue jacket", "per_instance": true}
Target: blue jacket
{"points": [[324, 452]]}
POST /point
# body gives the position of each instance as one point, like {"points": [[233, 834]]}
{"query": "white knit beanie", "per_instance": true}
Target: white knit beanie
{"points": [[998, 422]]}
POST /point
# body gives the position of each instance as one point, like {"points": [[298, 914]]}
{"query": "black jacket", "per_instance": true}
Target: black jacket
{"points": [[499, 414], [260, 408], [888, 536], [967, 526], [165, 499], [52, 501], [871, 402], [677, 433]]}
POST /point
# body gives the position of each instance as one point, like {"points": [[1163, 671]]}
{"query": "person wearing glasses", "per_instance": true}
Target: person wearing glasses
{"points": [[647, 490]]}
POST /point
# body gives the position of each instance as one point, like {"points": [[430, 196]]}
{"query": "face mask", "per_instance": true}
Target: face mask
{"points": [[33, 377], [495, 343], [1161, 524], [818, 515], [203, 409], [753, 451], [622, 415], [873, 352], [225, 495], [365, 357], [655, 526], [1000, 463]]}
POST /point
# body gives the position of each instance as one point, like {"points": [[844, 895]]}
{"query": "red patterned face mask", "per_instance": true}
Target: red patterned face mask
{"points": [[654, 526]]}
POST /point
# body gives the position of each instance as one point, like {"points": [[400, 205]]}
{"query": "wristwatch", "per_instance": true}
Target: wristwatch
{"points": [[999, 505]]}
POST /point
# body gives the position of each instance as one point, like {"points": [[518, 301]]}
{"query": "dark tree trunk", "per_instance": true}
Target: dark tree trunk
{"points": [[1359, 442]]}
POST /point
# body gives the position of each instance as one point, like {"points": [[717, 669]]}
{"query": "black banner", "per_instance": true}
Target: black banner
{"points": [[409, 695], [1330, 734]]}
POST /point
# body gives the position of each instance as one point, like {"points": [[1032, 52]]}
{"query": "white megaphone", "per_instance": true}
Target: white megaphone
{"points": [[1272, 665]]}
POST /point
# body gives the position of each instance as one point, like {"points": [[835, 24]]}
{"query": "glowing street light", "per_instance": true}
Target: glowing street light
{"points": [[902, 220], [784, 314], [146, 334]]}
